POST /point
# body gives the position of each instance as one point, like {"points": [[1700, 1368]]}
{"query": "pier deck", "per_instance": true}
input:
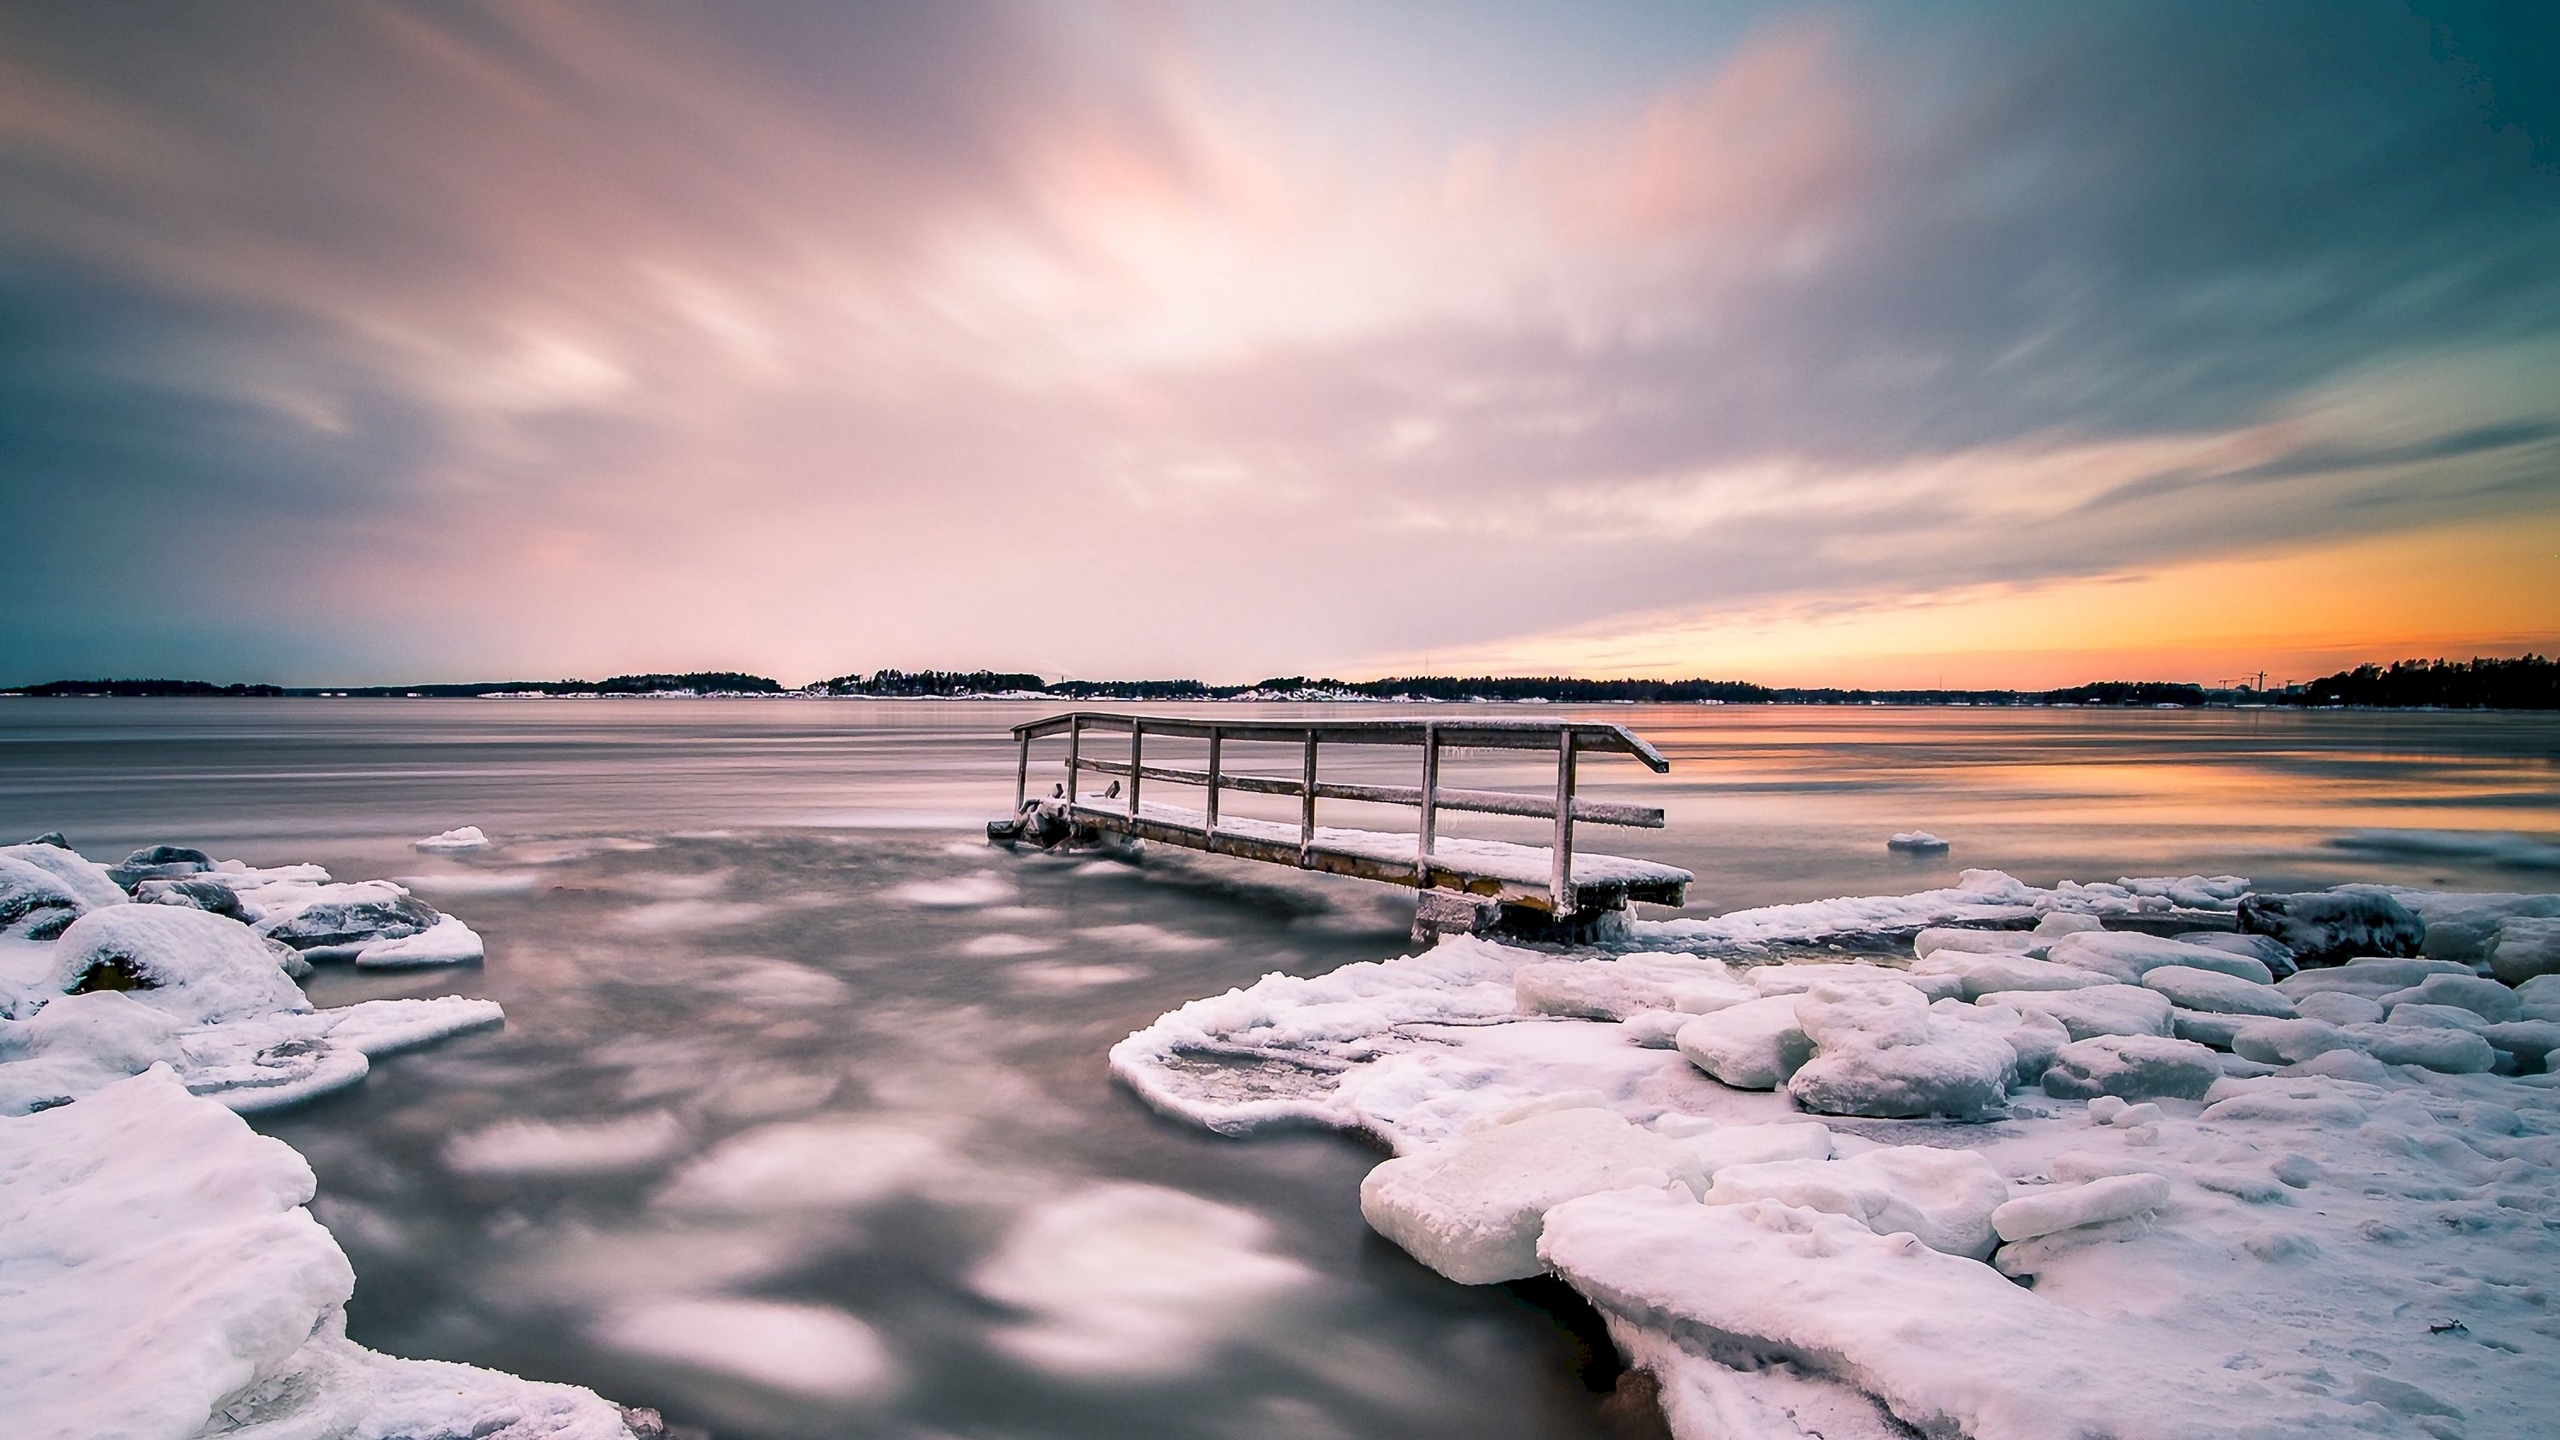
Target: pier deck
{"points": [[1555, 879]]}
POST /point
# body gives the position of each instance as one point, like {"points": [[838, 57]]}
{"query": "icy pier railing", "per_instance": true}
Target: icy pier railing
{"points": [[1481, 867]]}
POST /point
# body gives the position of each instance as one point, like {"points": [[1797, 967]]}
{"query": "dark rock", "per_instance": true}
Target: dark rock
{"points": [[332, 923], [209, 895], [2331, 926], [159, 862], [2266, 949], [35, 897], [52, 838]]}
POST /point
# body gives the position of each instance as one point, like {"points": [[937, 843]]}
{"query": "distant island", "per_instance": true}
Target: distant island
{"points": [[2529, 682]]}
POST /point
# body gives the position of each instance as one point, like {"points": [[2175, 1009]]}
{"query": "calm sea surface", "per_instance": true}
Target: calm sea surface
{"points": [[773, 926]]}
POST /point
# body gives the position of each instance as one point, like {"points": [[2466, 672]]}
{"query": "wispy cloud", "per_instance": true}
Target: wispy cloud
{"points": [[381, 340]]}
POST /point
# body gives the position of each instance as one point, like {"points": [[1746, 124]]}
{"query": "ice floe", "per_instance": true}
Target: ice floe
{"points": [[466, 837], [2292, 1204]]}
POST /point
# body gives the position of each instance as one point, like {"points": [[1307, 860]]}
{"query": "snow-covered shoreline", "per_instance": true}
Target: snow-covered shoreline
{"points": [[2063, 1181], [162, 1272]]}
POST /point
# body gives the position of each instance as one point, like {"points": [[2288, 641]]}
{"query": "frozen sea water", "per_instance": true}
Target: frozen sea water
{"points": [[800, 1122]]}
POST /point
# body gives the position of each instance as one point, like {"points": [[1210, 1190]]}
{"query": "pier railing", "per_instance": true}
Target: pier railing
{"points": [[1568, 739]]}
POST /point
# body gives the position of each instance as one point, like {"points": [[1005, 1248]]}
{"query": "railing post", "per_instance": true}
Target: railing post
{"points": [[1075, 739], [1137, 762], [1560, 886], [1307, 805], [1430, 801], [1212, 826], [1022, 775]]}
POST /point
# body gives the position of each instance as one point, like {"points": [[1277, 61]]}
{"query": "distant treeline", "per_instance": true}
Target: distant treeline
{"points": [[2529, 683], [131, 688]]}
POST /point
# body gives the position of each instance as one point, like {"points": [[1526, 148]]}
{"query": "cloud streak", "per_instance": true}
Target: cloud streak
{"points": [[364, 342]]}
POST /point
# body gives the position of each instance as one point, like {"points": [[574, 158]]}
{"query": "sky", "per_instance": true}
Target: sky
{"points": [[1965, 344]]}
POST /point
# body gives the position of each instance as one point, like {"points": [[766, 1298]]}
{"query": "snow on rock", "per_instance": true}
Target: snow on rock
{"points": [[1978, 975], [1752, 1046], [2112, 1197], [1917, 842], [2096, 1010], [2524, 948], [87, 880], [1471, 1207], [1946, 1197], [2450, 1052], [1977, 897], [2032, 1039], [191, 964], [337, 921], [2330, 925], [2348, 1232], [2128, 957], [467, 837], [1617, 988], [446, 942], [1971, 941], [2132, 1067], [1877, 1050], [1799, 978], [1946, 1344], [2189, 988], [34, 901], [2464, 925], [164, 1279], [2338, 1007], [2485, 998]]}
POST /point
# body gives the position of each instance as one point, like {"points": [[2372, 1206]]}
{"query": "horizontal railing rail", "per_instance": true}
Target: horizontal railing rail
{"points": [[1569, 739]]}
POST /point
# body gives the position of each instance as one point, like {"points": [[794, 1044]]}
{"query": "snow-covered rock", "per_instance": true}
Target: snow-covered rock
{"points": [[2338, 1007], [1971, 941], [86, 879], [2210, 990], [2133, 1067], [1978, 975], [1877, 1050], [1472, 1208], [2524, 948], [1946, 1197], [2486, 998], [2446, 1051], [159, 862], [34, 901], [2331, 925], [164, 1279], [2097, 1202], [1615, 989], [1715, 1147], [1751, 1046], [2127, 957], [2463, 926], [1797, 979], [446, 942], [2265, 949], [466, 837], [2097, 1010], [2290, 1042], [198, 966], [337, 921], [1917, 842]]}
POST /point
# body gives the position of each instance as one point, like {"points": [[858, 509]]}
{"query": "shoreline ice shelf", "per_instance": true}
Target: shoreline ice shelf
{"points": [[2014, 1183], [166, 1278]]}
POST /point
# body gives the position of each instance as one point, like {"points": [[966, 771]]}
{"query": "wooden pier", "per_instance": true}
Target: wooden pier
{"points": [[1467, 884]]}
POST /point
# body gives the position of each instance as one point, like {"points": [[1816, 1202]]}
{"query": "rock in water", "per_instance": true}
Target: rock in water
{"points": [[2333, 925], [160, 862]]}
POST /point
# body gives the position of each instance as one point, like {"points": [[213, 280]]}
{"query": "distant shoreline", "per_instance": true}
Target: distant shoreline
{"points": [[2527, 682]]}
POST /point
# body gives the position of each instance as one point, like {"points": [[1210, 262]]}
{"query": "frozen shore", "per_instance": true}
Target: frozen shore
{"points": [[164, 1277], [1976, 1162]]}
